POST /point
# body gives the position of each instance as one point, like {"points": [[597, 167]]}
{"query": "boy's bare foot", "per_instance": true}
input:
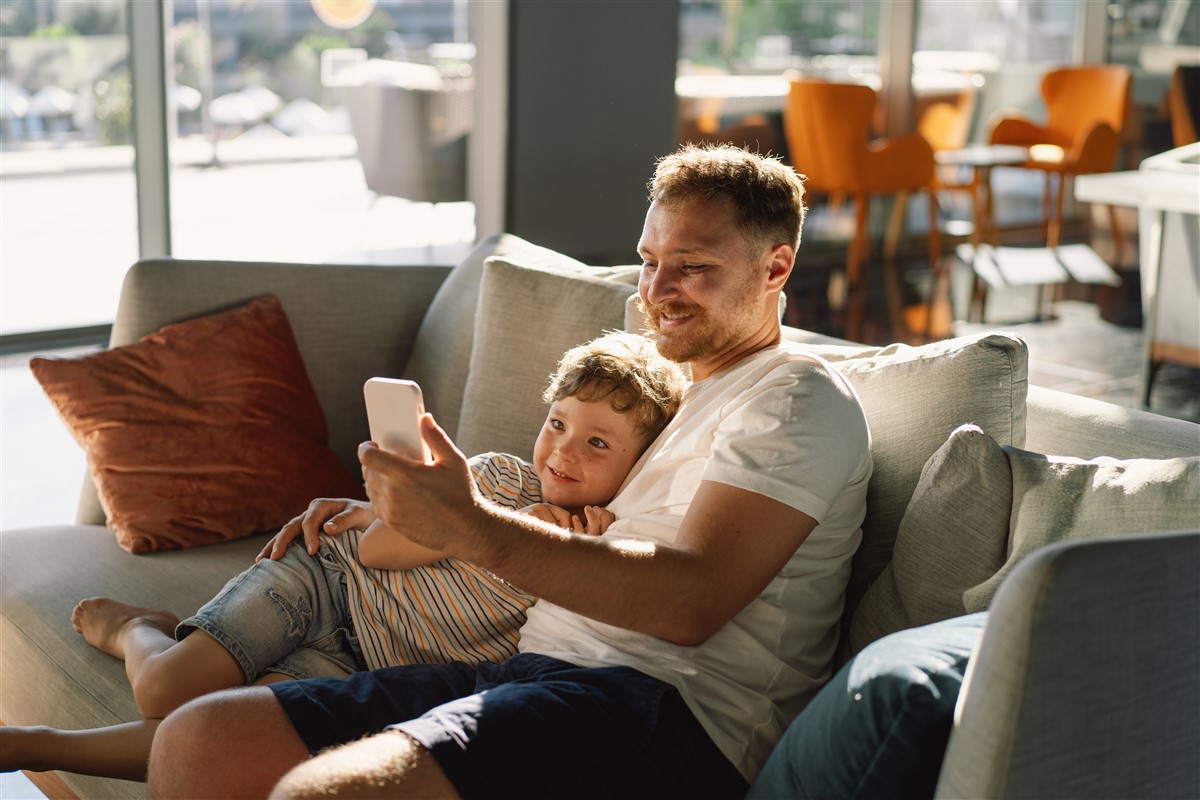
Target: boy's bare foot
{"points": [[104, 623]]}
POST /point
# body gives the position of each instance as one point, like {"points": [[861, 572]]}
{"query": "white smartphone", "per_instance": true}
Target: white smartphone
{"points": [[394, 409]]}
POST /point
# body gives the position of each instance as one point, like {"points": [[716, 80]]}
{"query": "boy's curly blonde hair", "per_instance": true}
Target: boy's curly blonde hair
{"points": [[626, 370]]}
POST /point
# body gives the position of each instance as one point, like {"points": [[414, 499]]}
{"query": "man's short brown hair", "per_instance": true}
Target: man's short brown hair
{"points": [[766, 195], [626, 370]]}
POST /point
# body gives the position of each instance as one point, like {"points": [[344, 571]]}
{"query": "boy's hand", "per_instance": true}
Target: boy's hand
{"points": [[548, 512], [595, 519], [328, 516]]}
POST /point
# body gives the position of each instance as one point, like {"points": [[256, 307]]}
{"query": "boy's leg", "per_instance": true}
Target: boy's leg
{"points": [[119, 751], [163, 673]]}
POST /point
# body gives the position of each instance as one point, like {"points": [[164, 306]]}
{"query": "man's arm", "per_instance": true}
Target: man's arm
{"points": [[731, 544]]}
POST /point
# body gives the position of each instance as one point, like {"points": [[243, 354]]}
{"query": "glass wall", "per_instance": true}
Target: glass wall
{"points": [[296, 132], [304, 133], [68, 216], [735, 57], [996, 50], [1152, 38]]}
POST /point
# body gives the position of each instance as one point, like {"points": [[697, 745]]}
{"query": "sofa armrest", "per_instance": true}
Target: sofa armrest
{"points": [[351, 322], [1084, 682], [1063, 424]]}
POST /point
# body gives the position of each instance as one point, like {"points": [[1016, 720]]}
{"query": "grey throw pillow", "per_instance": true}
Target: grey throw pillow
{"points": [[527, 318], [980, 508], [442, 350], [913, 398], [953, 536], [1057, 498]]}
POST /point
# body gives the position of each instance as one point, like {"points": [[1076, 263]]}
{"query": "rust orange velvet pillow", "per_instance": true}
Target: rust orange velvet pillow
{"points": [[204, 431]]}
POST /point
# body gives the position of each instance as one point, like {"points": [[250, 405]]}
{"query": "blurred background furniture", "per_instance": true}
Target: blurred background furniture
{"points": [[1086, 108], [947, 126], [1183, 102], [828, 129], [411, 127], [1166, 191]]}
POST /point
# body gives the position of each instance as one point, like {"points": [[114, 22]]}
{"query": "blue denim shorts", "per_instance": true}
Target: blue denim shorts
{"points": [[532, 726], [289, 616]]}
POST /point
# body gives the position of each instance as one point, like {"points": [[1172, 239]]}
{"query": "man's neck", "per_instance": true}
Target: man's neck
{"points": [[703, 369]]}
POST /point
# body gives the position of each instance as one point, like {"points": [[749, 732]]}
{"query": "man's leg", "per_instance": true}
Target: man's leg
{"points": [[386, 765], [231, 744]]}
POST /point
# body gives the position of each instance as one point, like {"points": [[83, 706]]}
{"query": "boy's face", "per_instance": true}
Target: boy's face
{"points": [[583, 453]]}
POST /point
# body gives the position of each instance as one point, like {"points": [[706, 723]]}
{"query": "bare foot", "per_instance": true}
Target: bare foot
{"points": [[105, 623]]}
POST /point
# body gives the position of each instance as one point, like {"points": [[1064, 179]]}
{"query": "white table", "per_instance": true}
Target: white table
{"points": [[1168, 183]]}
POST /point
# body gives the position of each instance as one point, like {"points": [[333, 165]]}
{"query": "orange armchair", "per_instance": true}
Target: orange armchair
{"points": [[946, 125], [1086, 109], [828, 132]]}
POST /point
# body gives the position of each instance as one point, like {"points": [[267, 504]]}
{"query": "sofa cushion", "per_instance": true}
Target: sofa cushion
{"points": [[913, 398], [1059, 498], [952, 536], [547, 312], [879, 728], [980, 508], [442, 349], [51, 675], [204, 431]]}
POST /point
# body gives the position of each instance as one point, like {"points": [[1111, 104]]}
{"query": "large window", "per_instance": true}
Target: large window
{"points": [[735, 57], [68, 225], [996, 49], [295, 132], [301, 136], [1152, 37]]}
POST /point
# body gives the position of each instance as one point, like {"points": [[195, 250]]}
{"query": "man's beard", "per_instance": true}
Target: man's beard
{"points": [[699, 340]]}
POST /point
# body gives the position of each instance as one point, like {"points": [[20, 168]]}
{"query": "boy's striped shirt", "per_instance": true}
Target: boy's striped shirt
{"points": [[446, 611]]}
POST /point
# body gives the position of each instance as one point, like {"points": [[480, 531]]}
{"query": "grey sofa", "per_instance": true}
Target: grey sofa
{"points": [[482, 337]]}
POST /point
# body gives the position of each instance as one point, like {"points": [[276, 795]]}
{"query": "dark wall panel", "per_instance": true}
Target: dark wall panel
{"points": [[591, 106]]}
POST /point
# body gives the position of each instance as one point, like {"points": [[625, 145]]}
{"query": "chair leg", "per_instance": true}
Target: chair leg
{"points": [[895, 227], [836, 199], [1054, 233], [1118, 239], [890, 246], [859, 240], [939, 315], [1046, 206]]}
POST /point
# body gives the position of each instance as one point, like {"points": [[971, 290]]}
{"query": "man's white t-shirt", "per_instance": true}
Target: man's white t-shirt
{"points": [[783, 424]]}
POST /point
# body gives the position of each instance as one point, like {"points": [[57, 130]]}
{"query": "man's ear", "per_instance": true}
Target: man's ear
{"points": [[782, 257]]}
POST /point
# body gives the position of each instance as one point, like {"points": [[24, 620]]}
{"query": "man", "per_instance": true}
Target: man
{"points": [[665, 657]]}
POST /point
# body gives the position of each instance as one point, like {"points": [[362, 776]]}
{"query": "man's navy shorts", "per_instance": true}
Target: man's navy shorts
{"points": [[533, 726]]}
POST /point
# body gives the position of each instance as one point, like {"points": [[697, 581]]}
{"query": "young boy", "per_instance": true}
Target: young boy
{"points": [[372, 599]]}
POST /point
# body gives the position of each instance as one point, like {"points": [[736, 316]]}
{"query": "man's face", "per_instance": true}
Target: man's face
{"points": [[707, 299]]}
